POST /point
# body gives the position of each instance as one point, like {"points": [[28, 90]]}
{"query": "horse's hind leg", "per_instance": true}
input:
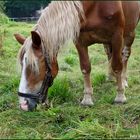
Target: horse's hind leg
{"points": [[108, 51], [86, 69], [117, 65], [126, 53]]}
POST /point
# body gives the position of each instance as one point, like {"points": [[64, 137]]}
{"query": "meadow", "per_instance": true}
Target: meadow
{"points": [[66, 118]]}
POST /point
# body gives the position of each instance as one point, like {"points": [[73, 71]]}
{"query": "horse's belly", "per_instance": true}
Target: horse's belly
{"points": [[95, 36]]}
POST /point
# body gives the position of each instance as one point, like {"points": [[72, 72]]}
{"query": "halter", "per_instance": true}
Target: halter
{"points": [[41, 96]]}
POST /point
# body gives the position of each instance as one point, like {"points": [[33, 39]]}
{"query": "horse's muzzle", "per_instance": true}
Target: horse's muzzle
{"points": [[28, 105]]}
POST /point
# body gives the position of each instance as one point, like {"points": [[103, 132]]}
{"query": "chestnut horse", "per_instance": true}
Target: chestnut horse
{"points": [[111, 23]]}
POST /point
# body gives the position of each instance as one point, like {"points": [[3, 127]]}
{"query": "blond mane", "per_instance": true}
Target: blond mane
{"points": [[58, 23]]}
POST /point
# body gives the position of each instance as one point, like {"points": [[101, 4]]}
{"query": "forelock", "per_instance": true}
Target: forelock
{"points": [[31, 58]]}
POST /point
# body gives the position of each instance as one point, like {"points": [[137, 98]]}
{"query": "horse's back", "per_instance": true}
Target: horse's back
{"points": [[103, 18], [102, 10]]}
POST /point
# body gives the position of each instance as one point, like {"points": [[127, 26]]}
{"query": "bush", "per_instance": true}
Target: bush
{"points": [[3, 19]]}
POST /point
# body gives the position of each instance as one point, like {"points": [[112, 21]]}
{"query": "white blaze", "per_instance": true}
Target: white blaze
{"points": [[23, 87], [23, 82]]}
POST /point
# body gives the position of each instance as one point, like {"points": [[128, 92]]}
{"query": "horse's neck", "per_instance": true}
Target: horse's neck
{"points": [[59, 23]]}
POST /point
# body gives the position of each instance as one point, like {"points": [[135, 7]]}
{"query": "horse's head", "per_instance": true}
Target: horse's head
{"points": [[35, 69]]}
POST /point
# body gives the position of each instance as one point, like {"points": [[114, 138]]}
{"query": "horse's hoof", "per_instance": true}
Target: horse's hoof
{"points": [[87, 100], [87, 103], [120, 99]]}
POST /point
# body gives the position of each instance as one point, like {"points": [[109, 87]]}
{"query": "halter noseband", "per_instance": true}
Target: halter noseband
{"points": [[41, 96]]}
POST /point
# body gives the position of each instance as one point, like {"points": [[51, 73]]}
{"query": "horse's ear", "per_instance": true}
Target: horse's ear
{"points": [[21, 39], [36, 39]]}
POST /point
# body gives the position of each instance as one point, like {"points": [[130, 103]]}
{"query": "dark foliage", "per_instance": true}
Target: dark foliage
{"points": [[23, 8]]}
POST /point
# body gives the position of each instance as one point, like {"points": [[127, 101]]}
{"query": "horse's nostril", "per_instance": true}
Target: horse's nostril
{"points": [[24, 102], [24, 106], [27, 102]]}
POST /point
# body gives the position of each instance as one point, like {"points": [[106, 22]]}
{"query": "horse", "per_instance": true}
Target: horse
{"points": [[111, 23]]}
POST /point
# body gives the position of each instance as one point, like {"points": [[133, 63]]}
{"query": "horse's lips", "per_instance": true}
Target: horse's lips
{"points": [[24, 107]]}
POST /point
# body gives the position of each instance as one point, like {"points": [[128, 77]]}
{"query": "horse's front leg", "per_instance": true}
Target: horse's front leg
{"points": [[117, 64], [86, 69]]}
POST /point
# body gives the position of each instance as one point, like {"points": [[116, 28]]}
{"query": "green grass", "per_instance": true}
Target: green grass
{"points": [[66, 118]]}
